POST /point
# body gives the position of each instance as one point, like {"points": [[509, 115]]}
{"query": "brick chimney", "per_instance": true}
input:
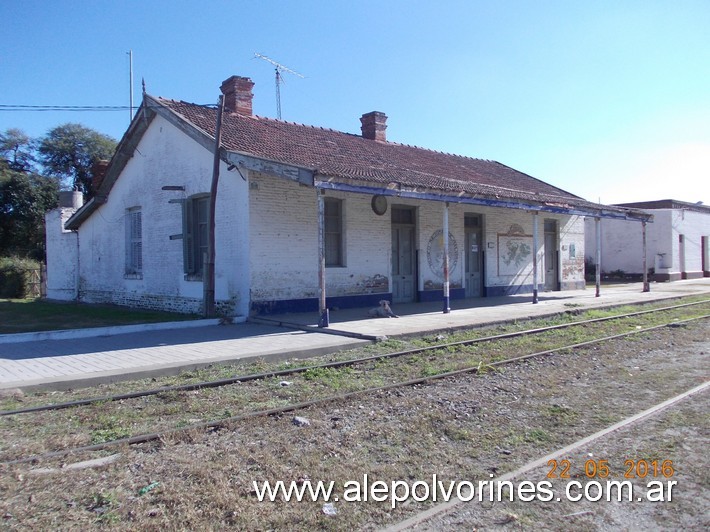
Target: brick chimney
{"points": [[98, 172], [237, 95], [374, 125]]}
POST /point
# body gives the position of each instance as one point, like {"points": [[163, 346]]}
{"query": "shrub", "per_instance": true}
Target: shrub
{"points": [[15, 276]]}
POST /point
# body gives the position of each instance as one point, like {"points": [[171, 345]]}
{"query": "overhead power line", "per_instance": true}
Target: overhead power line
{"points": [[63, 107], [99, 108]]}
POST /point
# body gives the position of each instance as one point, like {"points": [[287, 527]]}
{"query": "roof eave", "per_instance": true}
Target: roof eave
{"points": [[83, 213], [246, 161], [124, 152], [395, 190], [240, 159]]}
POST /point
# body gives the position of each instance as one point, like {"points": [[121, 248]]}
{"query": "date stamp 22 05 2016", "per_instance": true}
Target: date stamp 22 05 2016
{"points": [[602, 469], [656, 475]]}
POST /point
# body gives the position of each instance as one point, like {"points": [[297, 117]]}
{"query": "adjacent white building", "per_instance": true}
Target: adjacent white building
{"points": [[677, 241], [307, 218]]}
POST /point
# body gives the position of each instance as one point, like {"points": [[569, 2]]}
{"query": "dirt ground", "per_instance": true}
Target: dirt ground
{"points": [[675, 439], [461, 429]]}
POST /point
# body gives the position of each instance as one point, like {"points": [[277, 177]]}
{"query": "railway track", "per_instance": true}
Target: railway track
{"points": [[442, 353], [337, 364], [433, 518]]}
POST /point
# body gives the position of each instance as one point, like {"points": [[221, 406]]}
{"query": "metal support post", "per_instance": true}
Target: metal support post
{"points": [[646, 286], [535, 248], [324, 320], [598, 259], [447, 302]]}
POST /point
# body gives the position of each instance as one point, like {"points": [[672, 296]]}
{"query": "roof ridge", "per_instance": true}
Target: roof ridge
{"points": [[331, 130], [447, 153], [300, 124], [185, 102], [383, 143]]}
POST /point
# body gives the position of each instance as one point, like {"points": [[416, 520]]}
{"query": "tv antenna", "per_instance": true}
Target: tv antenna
{"points": [[279, 79]]}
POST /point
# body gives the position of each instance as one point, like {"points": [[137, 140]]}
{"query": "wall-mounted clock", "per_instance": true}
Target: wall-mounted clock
{"points": [[379, 204]]}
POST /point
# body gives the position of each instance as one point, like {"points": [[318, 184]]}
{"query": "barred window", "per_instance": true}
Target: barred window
{"points": [[195, 233], [134, 241], [333, 221]]}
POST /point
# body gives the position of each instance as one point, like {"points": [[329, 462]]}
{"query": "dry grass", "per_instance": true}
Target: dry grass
{"points": [[107, 421], [461, 429]]}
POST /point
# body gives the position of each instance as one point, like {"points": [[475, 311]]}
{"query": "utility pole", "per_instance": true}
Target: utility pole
{"points": [[208, 283], [279, 79], [130, 80]]}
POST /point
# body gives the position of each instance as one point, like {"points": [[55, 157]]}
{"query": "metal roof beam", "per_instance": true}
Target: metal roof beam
{"points": [[470, 200], [286, 171]]}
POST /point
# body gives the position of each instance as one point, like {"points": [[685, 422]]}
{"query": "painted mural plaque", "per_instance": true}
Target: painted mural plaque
{"points": [[514, 251], [435, 253]]}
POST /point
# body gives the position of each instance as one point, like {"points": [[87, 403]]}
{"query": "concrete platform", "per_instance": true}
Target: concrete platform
{"points": [[419, 318], [77, 362]]}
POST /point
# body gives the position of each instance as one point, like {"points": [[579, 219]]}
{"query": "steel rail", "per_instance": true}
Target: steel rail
{"points": [[327, 365], [446, 508], [222, 423]]}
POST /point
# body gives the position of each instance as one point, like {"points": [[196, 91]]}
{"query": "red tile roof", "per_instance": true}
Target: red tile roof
{"points": [[348, 159], [346, 156]]}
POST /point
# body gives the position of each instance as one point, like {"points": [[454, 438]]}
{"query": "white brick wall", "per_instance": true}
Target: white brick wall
{"points": [[284, 243], [166, 156], [572, 251], [61, 256], [622, 244]]}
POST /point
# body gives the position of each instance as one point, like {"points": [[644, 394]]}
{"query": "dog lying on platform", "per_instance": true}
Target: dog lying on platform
{"points": [[383, 311]]}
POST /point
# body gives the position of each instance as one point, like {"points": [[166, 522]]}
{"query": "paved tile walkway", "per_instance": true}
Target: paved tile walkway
{"points": [[80, 362], [83, 361]]}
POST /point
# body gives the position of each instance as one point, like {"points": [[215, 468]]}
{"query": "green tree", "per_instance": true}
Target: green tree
{"points": [[24, 199], [69, 151], [17, 150]]}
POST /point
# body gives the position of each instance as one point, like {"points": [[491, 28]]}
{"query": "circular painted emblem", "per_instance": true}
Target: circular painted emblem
{"points": [[435, 253]]}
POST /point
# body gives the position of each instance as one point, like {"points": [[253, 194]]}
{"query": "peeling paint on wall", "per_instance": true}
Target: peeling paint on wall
{"points": [[439, 285], [375, 284], [572, 269]]}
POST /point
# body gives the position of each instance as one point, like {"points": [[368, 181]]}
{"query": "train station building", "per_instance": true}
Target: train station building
{"points": [[307, 218]]}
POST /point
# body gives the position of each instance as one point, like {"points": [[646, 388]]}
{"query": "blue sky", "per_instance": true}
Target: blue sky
{"points": [[607, 99]]}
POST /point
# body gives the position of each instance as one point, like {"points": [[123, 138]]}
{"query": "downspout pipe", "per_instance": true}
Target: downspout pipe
{"points": [[77, 280]]}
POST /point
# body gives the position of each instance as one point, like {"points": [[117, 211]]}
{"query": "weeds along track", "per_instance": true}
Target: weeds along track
{"points": [[137, 417], [342, 363]]}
